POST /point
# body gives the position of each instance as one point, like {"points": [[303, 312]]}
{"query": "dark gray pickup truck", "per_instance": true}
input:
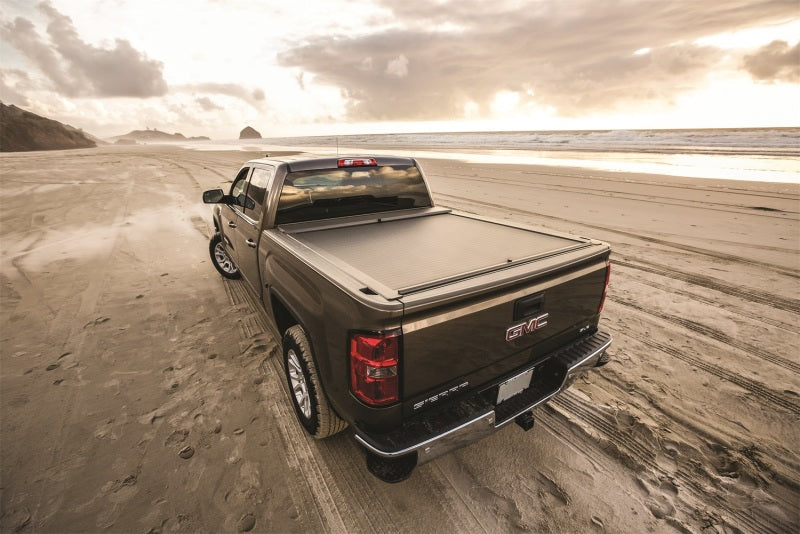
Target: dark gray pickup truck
{"points": [[421, 328]]}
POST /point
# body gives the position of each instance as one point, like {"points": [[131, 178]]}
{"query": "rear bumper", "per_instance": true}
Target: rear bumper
{"points": [[447, 428]]}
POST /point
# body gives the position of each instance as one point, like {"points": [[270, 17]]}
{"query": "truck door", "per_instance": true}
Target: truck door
{"points": [[230, 214], [248, 228]]}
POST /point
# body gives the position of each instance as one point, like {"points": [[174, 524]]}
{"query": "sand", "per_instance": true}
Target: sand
{"points": [[140, 391]]}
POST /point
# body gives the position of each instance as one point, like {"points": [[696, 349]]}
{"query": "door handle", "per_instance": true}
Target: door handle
{"points": [[251, 243], [232, 224]]}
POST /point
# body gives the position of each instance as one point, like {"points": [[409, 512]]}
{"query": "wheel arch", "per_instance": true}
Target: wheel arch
{"points": [[215, 216], [285, 317]]}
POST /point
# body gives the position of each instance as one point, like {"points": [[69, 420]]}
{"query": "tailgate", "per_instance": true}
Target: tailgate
{"points": [[462, 346]]}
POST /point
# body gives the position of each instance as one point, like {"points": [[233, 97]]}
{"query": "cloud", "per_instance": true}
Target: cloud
{"points": [[300, 78], [21, 33], [251, 96], [574, 57], [12, 82], [398, 67], [207, 104], [76, 68], [776, 61]]}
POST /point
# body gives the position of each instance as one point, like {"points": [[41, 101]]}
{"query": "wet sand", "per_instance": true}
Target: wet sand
{"points": [[140, 391]]}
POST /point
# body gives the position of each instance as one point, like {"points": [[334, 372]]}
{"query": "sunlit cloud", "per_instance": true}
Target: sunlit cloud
{"points": [[398, 67], [414, 65], [76, 68], [575, 57], [778, 61]]}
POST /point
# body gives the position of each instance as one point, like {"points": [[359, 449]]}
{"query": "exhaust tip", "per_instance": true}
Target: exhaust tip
{"points": [[391, 470]]}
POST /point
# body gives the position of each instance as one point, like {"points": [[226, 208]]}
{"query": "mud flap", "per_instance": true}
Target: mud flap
{"points": [[391, 470]]}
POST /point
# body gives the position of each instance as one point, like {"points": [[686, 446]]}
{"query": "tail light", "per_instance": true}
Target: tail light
{"points": [[605, 289], [362, 162], [374, 358]]}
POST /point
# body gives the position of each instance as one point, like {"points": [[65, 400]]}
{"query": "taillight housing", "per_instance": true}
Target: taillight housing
{"points": [[374, 360], [605, 289]]}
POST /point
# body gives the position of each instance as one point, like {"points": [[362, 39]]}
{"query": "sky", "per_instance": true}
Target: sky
{"points": [[323, 67]]}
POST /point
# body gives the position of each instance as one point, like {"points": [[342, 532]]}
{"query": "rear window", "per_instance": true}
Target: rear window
{"points": [[329, 193]]}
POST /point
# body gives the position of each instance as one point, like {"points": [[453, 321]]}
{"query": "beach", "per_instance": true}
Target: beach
{"points": [[141, 392]]}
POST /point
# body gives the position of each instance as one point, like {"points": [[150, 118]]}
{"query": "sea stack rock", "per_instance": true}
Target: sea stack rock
{"points": [[249, 133]]}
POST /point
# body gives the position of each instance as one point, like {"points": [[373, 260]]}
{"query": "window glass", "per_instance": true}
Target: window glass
{"points": [[256, 192], [238, 188], [328, 193]]}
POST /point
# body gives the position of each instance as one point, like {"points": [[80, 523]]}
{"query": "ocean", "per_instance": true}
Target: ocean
{"points": [[759, 154]]}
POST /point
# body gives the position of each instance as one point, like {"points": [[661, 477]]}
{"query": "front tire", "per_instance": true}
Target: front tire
{"points": [[310, 405], [221, 259]]}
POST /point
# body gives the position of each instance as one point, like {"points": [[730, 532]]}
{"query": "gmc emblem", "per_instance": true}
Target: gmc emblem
{"points": [[521, 329]]}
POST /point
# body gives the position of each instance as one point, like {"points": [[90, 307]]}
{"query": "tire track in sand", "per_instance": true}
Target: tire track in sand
{"points": [[713, 334], [759, 391], [307, 485], [714, 433], [737, 209], [749, 294], [621, 442], [712, 302], [606, 179]]}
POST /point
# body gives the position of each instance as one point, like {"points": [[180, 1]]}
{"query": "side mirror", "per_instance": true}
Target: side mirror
{"points": [[214, 196]]}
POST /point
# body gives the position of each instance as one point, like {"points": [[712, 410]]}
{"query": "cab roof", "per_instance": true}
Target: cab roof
{"points": [[304, 163]]}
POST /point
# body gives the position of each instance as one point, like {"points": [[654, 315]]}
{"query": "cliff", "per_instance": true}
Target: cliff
{"points": [[22, 130]]}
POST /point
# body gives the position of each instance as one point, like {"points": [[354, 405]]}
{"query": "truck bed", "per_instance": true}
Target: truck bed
{"points": [[399, 257]]}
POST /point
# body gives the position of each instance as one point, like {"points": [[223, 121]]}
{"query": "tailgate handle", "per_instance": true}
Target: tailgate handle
{"points": [[528, 305]]}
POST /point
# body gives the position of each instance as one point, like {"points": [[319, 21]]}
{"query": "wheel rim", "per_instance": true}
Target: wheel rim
{"points": [[299, 385], [223, 260]]}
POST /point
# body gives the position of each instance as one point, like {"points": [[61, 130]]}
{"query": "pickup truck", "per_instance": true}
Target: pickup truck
{"points": [[421, 328]]}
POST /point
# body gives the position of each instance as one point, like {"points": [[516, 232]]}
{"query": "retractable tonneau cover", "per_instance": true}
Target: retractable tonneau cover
{"points": [[400, 257]]}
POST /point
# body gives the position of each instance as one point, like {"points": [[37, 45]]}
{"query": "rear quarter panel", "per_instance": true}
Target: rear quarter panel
{"points": [[328, 310]]}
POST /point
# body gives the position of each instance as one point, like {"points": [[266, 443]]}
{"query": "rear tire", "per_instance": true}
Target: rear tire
{"points": [[310, 405], [221, 259]]}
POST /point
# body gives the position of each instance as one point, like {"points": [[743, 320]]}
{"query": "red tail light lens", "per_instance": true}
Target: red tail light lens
{"points": [[373, 367], [605, 289], [362, 162]]}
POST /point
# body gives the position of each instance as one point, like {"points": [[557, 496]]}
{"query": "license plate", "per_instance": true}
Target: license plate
{"points": [[514, 385]]}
